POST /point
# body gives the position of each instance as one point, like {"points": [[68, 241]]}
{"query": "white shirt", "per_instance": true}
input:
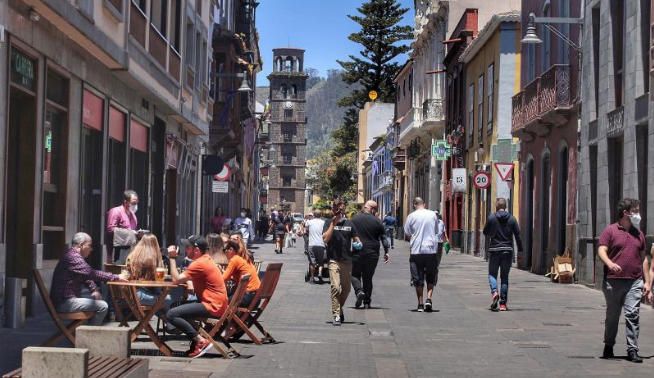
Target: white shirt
{"points": [[245, 226], [314, 227], [421, 226], [440, 235]]}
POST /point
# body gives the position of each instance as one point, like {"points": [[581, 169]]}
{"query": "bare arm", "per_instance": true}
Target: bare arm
{"points": [[327, 235], [603, 253]]}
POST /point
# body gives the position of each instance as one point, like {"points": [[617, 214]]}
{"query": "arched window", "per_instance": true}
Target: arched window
{"points": [[294, 91], [288, 66], [284, 91]]}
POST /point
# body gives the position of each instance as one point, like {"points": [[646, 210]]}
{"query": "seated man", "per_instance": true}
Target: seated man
{"points": [[209, 288], [71, 273]]}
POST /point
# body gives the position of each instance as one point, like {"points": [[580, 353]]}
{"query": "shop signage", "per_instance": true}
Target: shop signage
{"points": [[481, 180], [441, 150], [22, 69], [224, 174], [459, 176], [219, 186]]}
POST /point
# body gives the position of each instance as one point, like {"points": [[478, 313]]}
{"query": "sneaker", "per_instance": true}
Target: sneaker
{"points": [[342, 317], [337, 321], [503, 307], [633, 356], [201, 347], [421, 308], [428, 305], [360, 297], [191, 347], [608, 352], [496, 301]]}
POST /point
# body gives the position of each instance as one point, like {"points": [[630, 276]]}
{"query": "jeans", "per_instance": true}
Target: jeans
{"points": [[100, 308], [181, 316], [499, 261], [389, 235], [622, 295], [363, 268], [340, 274], [149, 297]]}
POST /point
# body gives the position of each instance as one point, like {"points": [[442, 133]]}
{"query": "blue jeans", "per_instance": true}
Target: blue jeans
{"points": [[499, 261], [149, 296]]}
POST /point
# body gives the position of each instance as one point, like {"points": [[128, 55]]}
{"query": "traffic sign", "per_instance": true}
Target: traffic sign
{"points": [[372, 95], [504, 170], [224, 174], [481, 180]]}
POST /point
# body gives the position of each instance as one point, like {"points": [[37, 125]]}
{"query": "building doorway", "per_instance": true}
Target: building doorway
{"points": [[562, 200], [545, 193], [158, 172], [21, 165], [529, 213]]}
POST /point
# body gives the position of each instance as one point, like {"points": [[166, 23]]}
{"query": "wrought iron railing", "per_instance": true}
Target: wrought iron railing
{"points": [[615, 122]]}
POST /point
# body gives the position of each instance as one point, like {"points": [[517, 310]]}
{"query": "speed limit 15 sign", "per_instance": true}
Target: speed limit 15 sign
{"points": [[481, 180]]}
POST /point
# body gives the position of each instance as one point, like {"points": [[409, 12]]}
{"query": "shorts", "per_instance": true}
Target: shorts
{"points": [[423, 268], [317, 255]]}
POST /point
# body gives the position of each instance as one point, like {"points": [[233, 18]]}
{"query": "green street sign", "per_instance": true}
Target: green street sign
{"points": [[441, 150]]}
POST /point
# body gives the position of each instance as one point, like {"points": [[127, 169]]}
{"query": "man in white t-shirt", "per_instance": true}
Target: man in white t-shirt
{"points": [[420, 229], [313, 228], [244, 224]]}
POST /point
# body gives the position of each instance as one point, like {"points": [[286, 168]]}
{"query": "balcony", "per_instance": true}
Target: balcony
{"points": [[546, 102], [290, 160], [399, 158], [432, 113], [289, 116], [615, 122], [289, 138]]}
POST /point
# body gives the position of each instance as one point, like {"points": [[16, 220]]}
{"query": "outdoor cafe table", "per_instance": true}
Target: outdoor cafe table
{"points": [[127, 290]]}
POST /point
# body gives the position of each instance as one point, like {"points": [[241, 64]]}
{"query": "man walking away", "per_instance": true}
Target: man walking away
{"points": [[501, 227], [389, 227], [313, 230], [622, 249], [371, 231], [420, 230], [340, 237]]}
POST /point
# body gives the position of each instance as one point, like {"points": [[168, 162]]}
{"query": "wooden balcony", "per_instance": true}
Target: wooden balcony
{"points": [[547, 102], [399, 158]]}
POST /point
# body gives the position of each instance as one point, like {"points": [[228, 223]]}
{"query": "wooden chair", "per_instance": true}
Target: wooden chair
{"points": [[257, 265], [249, 316], [218, 324], [78, 318]]}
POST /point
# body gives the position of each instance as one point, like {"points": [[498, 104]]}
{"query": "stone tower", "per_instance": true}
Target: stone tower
{"points": [[287, 184]]}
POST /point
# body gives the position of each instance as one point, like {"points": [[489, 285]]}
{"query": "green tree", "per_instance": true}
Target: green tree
{"points": [[380, 37]]}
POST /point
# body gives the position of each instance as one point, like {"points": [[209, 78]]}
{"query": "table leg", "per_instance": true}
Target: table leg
{"points": [[144, 320]]}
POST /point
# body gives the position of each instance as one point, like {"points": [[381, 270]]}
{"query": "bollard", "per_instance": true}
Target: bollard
{"points": [[14, 302]]}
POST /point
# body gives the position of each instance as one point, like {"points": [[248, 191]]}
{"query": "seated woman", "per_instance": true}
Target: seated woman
{"points": [[240, 265], [142, 264], [243, 249], [216, 249]]}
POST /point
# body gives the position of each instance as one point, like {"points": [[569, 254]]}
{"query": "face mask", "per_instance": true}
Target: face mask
{"points": [[134, 208], [635, 219], [242, 215], [357, 245]]}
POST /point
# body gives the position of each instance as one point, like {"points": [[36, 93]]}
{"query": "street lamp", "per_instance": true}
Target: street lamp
{"points": [[245, 86], [531, 37]]}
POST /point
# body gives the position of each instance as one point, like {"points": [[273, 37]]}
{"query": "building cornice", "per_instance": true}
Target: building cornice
{"points": [[487, 32]]}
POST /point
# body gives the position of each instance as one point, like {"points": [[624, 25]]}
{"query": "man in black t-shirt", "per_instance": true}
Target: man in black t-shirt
{"points": [[340, 238], [370, 231]]}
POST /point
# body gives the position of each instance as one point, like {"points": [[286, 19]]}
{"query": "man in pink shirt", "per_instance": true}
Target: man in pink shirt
{"points": [[622, 250], [120, 219]]}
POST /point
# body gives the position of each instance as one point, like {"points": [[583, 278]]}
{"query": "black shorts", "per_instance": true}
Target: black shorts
{"points": [[423, 268], [317, 255]]}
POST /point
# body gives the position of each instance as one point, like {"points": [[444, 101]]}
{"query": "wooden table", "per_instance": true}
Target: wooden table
{"points": [[127, 290]]}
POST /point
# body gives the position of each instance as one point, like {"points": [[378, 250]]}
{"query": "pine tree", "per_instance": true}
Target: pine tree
{"points": [[381, 40]]}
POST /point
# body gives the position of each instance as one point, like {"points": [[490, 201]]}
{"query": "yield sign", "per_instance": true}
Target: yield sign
{"points": [[504, 170]]}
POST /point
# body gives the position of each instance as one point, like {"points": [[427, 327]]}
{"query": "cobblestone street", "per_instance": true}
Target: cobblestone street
{"points": [[550, 330]]}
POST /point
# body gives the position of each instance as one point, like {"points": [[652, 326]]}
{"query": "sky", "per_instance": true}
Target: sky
{"points": [[321, 27]]}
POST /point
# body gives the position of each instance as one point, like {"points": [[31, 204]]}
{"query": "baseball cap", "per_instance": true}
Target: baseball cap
{"points": [[195, 241]]}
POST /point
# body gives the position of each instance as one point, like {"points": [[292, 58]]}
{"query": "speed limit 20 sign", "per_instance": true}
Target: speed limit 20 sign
{"points": [[481, 180]]}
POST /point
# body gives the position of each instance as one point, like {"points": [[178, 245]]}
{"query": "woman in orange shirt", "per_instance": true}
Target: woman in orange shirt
{"points": [[240, 265]]}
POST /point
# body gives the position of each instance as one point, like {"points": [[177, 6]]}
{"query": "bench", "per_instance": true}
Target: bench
{"points": [[75, 362]]}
